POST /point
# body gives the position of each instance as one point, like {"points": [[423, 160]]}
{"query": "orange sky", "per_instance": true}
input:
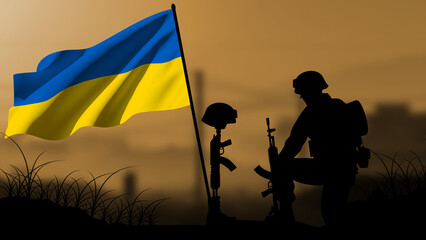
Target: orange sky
{"points": [[249, 51]]}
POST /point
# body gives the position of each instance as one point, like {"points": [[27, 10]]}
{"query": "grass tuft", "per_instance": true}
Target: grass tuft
{"points": [[90, 196], [401, 176]]}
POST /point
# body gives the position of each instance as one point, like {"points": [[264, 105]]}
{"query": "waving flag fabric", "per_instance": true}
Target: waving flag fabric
{"points": [[137, 70]]}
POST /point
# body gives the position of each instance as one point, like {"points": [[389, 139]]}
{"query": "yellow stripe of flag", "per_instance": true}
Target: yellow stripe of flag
{"points": [[137, 70]]}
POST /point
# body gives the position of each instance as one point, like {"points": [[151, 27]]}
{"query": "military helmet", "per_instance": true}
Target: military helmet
{"points": [[308, 82], [218, 115]]}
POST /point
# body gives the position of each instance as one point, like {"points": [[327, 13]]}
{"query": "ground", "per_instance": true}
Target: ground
{"points": [[403, 215]]}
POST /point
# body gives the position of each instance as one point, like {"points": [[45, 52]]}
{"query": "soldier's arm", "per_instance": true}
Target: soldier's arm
{"points": [[297, 138]]}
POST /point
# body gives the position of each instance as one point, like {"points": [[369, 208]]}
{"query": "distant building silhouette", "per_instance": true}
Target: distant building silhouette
{"points": [[129, 181], [394, 128]]}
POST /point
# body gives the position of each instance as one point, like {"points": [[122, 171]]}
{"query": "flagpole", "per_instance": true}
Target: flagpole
{"points": [[197, 134]]}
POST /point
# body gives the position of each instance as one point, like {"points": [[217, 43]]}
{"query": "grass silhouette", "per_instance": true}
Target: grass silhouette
{"points": [[400, 176], [395, 200], [90, 196]]}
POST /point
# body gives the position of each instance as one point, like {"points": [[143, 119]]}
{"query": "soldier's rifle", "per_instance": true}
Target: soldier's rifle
{"points": [[270, 175]]}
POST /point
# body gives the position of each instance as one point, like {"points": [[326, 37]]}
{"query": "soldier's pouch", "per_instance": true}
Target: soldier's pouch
{"points": [[363, 157]]}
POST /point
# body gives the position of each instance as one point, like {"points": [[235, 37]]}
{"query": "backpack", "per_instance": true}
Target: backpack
{"points": [[358, 127], [358, 119]]}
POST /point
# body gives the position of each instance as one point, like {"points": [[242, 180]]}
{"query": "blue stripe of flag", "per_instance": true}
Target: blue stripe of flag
{"points": [[152, 40]]}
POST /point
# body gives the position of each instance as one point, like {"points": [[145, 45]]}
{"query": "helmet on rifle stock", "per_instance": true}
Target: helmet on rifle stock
{"points": [[218, 115], [309, 82]]}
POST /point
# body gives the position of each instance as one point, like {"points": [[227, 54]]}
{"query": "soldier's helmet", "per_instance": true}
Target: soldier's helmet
{"points": [[309, 82], [218, 115]]}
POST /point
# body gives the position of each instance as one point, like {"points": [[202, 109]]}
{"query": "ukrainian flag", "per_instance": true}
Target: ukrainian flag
{"points": [[137, 70]]}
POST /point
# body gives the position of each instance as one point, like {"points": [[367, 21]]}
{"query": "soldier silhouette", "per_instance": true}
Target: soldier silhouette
{"points": [[334, 140]]}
